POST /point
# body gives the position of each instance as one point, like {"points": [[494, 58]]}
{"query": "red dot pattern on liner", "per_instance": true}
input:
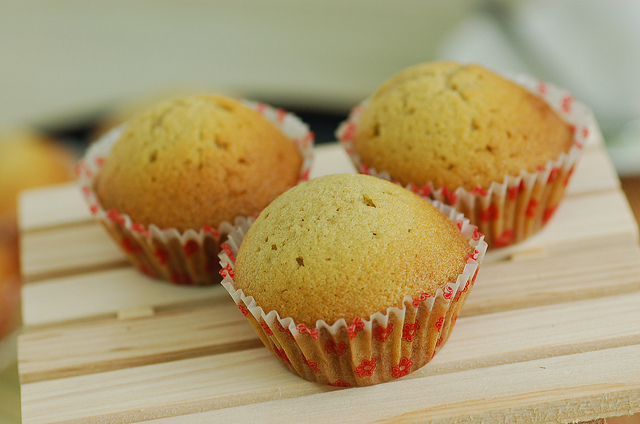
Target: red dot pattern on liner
{"points": [[448, 293], [190, 247], [422, 191], [162, 255], [542, 87], [403, 368], [409, 331], [228, 271], [333, 348], [356, 325], [303, 329], [229, 252], [285, 330], [569, 174], [472, 257], [505, 239], [266, 328], [313, 365], [114, 216], [422, 297], [439, 323], [532, 207], [513, 191], [475, 275], [366, 368], [567, 103], [340, 383], [306, 174], [243, 309], [451, 197], [147, 271], [181, 279], [479, 190], [282, 354], [439, 342], [139, 228], [381, 333], [553, 175], [130, 246], [208, 229], [490, 213], [548, 213]]}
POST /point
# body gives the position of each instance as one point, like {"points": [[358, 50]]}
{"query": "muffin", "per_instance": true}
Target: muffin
{"points": [[352, 280], [28, 159], [125, 108], [500, 151], [170, 182]]}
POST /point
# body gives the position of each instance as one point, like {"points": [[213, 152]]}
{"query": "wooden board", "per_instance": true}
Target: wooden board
{"points": [[550, 332]]}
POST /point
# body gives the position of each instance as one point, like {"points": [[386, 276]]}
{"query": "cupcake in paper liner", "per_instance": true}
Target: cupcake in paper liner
{"points": [[351, 280], [170, 183], [500, 150]]}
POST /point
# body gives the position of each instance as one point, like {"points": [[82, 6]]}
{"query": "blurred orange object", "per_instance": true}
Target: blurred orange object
{"points": [[27, 159], [9, 288]]}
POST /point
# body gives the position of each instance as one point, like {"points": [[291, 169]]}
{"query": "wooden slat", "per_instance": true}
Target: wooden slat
{"points": [[103, 294], [477, 342], [79, 349], [594, 172], [530, 395], [64, 205], [68, 250], [598, 220], [553, 278]]}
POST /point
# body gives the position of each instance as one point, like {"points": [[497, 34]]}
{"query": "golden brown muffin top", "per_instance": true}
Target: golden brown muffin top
{"points": [[197, 161], [347, 246], [457, 125]]}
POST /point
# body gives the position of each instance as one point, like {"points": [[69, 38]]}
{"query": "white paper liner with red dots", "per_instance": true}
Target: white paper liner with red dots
{"points": [[190, 257], [369, 350], [512, 210]]}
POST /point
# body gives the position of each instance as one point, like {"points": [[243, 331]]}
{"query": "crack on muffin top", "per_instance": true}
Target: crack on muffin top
{"points": [[457, 126]]}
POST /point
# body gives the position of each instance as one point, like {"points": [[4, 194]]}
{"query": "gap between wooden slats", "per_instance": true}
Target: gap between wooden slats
{"points": [[254, 375]]}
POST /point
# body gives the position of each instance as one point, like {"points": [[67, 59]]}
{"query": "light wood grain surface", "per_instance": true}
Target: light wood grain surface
{"points": [[550, 332]]}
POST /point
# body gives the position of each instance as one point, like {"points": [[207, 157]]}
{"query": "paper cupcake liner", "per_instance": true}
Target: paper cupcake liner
{"points": [[369, 350], [510, 211], [189, 257]]}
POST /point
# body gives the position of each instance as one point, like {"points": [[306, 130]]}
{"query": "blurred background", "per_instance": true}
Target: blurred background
{"points": [[70, 69]]}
